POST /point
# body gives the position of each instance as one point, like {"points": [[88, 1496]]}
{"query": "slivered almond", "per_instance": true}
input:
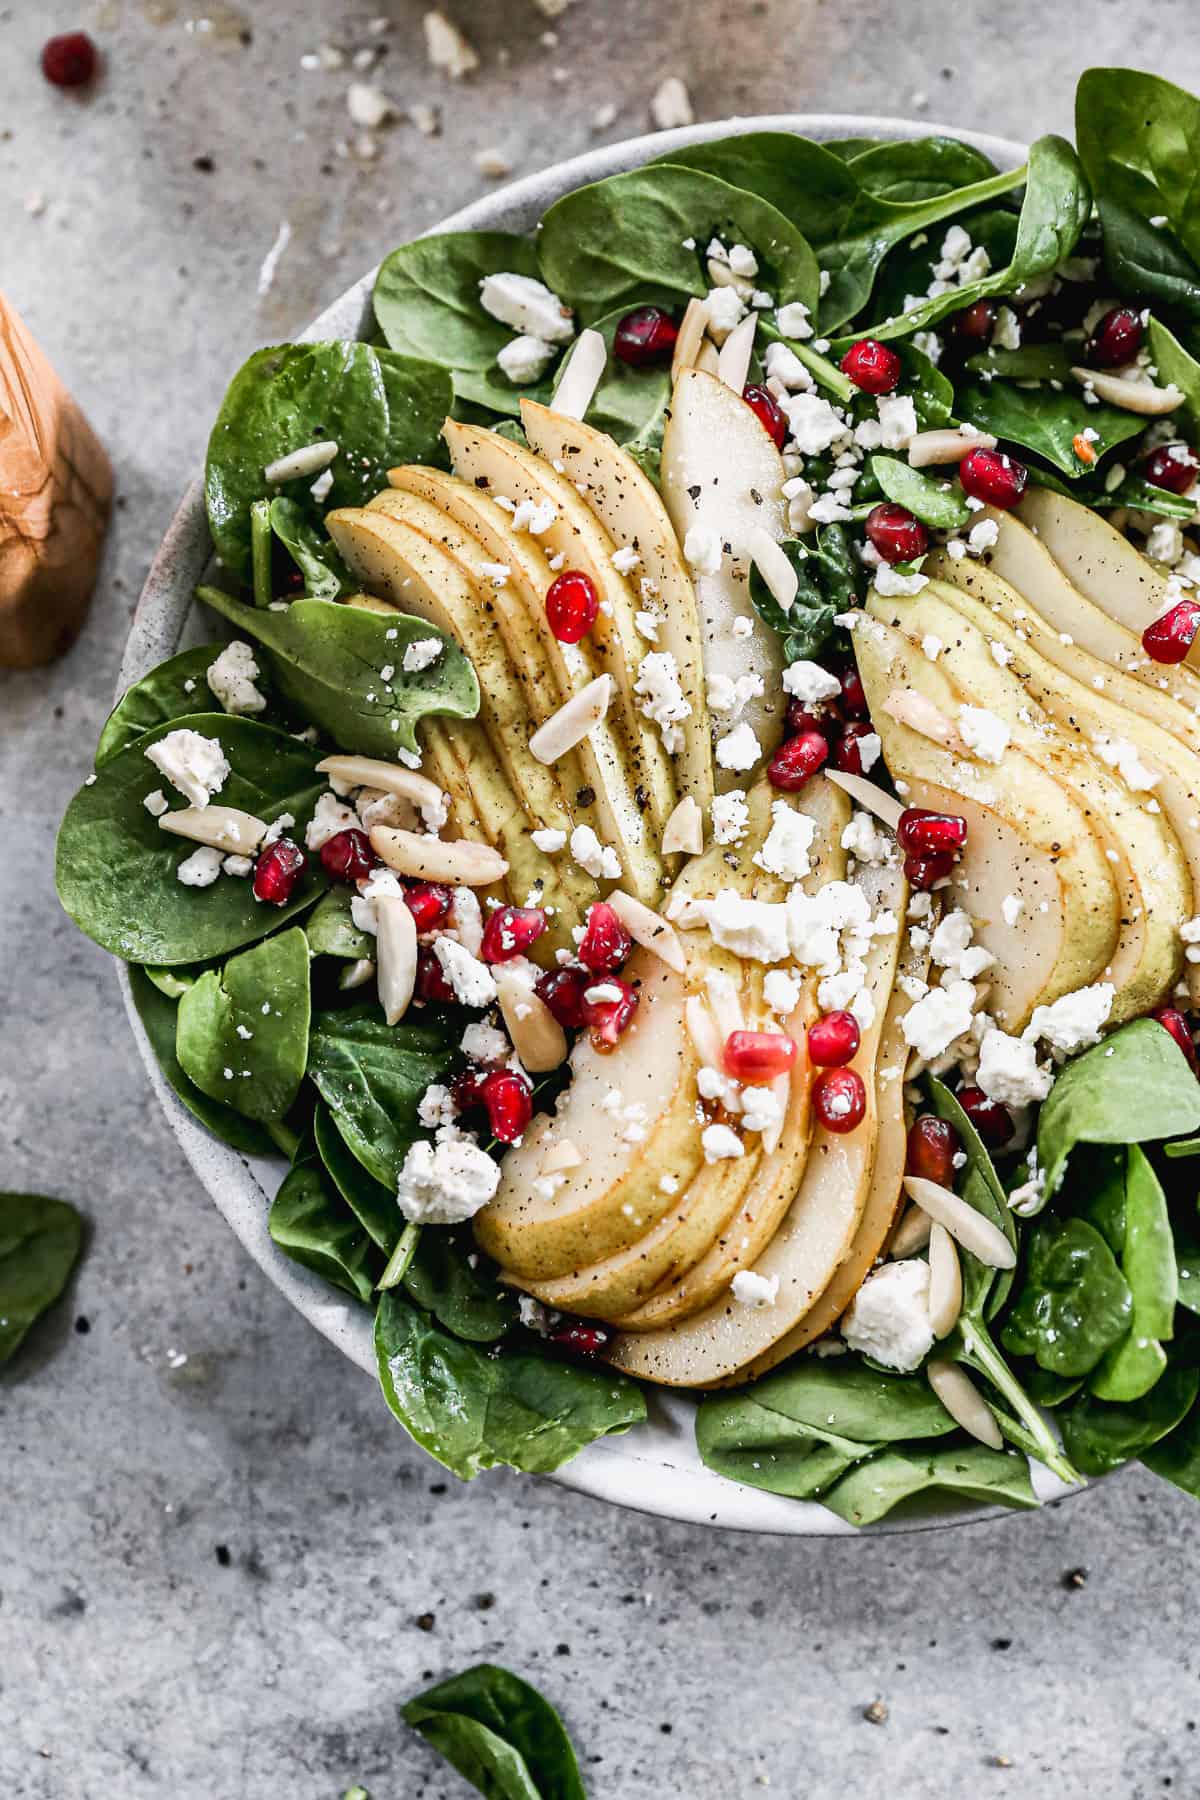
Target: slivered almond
{"points": [[733, 362], [726, 1003], [773, 566], [975, 1233], [929, 447], [310, 459], [537, 1037], [683, 833], [221, 827], [581, 375], [910, 708], [945, 1281], [396, 955], [708, 358], [572, 722], [389, 778], [911, 1234], [781, 1088], [1133, 396], [692, 327], [702, 1028], [649, 929], [963, 1401], [356, 974], [459, 862], [869, 796], [562, 1157]]}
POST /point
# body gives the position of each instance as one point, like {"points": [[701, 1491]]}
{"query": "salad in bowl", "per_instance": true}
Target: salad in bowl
{"points": [[685, 827]]}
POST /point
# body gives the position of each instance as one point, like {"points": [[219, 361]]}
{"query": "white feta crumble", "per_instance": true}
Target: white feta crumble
{"points": [[1119, 754], [240, 866], [329, 818], [721, 1144], [1011, 908], [739, 749], [937, 1020], [888, 1319], [647, 624], [421, 655], [201, 868], [155, 803], [785, 851], [865, 841], [756, 929], [725, 310], [528, 306], [525, 359], [483, 1042], [730, 816], [671, 104], [986, 736], [662, 698], [809, 683], [194, 764], [549, 839], [870, 749], [597, 859], [814, 423], [792, 320], [931, 646], [231, 678], [781, 992], [897, 420], [471, 979], [436, 1106], [750, 1289], [762, 1109], [893, 585], [626, 559], [727, 694], [446, 1182], [1009, 1071], [1073, 1021], [703, 550], [780, 363]]}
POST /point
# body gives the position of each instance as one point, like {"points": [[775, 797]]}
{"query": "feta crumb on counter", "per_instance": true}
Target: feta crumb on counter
{"points": [[888, 1319], [194, 764]]}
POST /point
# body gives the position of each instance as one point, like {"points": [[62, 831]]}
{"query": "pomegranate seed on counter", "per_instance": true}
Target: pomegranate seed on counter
{"points": [[926, 833], [847, 749], [1171, 466], [758, 1055], [1116, 339], [993, 477], [1168, 640], [974, 325], [348, 856], [992, 1121], [605, 944], [607, 1019], [839, 1099], [768, 412], [278, 871], [69, 61], [562, 991], [508, 1099], [895, 533], [797, 760], [872, 366], [1173, 1021], [645, 335], [932, 1146], [854, 698], [428, 902], [431, 983], [833, 1040], [585, 1338], [572, 605], [923, 870], [510, 931]]}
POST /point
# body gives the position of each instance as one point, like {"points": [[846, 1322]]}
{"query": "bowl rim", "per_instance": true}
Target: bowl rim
{"points": [[655, 1468]]}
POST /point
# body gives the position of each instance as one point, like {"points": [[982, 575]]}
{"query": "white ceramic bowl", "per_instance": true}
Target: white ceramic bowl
{"points": [[654, 1468]]}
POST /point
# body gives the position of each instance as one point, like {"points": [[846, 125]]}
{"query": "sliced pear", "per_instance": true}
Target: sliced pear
{"points": [[628, 506], [515, 473], [722, 474], [1096, 558], [1025, 836]]}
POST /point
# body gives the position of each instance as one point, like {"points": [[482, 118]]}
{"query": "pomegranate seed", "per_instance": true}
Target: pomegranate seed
{"points": [[69, 61], [646, 335], [605, 944], [839, 1099], [833, 1040], [1171, 466], [758, 1055], [796, 760], [992, 1121], [847, 750], [607, 1019], [930, 833], [925, 871], [768, 412], [428, 902], [510, 931], [431, 983], [872, 366], [508, 1098], [583, 1339], [932, 1146], [975, 324], [277, 872], [348, 856], [805, 718], [562, 991], [572, 605], [1173, 1021], [466, 1090], [1116, 339], [854, 698], [992, 476], [898, 537], [1169, 639]]}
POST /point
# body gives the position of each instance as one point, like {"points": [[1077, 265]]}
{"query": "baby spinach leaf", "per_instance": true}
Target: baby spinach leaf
{"points": [[800, 178], [326, 576], [1073, 1303], [372, 1077], [172, 982], [473, 1409], [373, 1204], [378, 407], [907, 273], [828, 574], [1099, 1437], [1177, 367], [262, 546], [1031, 362], [174, 690], [158, 1015], [1048, 422], [331, 931], [1176, 1457], [912, 170], [116, 870], [939, 504], [453, 1281], [1188, 1268], [1139, 1236], [242, 1031], [931, 392], [500, 1734], [327, 660], [986, 1194], [871, 1490], [1134, 1088], [40, 1241], [311, 1223]]}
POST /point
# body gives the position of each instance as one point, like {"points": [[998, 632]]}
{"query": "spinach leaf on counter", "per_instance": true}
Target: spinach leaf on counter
{"points": [[311, 1223], [372, 1077], [40, 1241], [242, 1031], [326, 576], [1134, 1088], [500, 1734], [871, 1489], [174, 690]]}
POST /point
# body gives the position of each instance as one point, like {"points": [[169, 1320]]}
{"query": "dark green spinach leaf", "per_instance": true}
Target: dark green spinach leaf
{"points": [[373, 1204], [1073, 1303], [372, 1077], [1133, 1088], [939, 504], [1099, 1437], [1130, 1210], [1047, 422], [872, 1489], [40, 1241], [175, 689], [500, 1734], [311, 1223], [451, 1279], [331, 931], [242, 1031], [318, 559]]}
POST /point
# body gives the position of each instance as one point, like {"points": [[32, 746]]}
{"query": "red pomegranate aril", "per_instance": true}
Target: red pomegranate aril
{"points": [[895, 533], [768, 412], [431, 983], [1171, 466], [933, 1145], [508, 1098], [834, 1040], [348, 856], [927, 833], [839, 1099], [466, 1090], [821, 719], [1116, 339], [924, 871], [645, 335], [1173, 1021], [606, 1020], [572, 605], [510, 931], [278, 871], [1169, 639], [854, 698], [992, 1121], [872, 366], [428, 902], [974, 325], [797, 760], [993, 477], [758, 1055], [562, 991], [583, 1338], [847, 749], [605, 944], [69, 61]]}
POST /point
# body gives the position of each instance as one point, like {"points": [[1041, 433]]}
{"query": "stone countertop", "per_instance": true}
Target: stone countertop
{"points": [[221, 1564]]}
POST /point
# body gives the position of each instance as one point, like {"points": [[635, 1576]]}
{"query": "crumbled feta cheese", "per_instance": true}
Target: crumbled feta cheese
{"points": [[931, 646], [729, 695], [809, 683], [888, 1319], [721, 1144], [548, 839], [471, 979], [937, 1020], [725, 310], [1006, 333], [482, 1042], [626, 559], [786, 850], [421, 655], [647, 624], [814, 423], [750, 1289], [951, 947], [739, 749], [730, 816], [1121, 755], [781, 992], [1009, 1071], [525, 359], [597, 859], [892, 585], [702, 549], [870, 749], [662, 698], [194, 764], [436, 1107], [446, 1182], [762, 1109], [329, 818], [756, 929], [231, 678], [155, 803], [897, 420], [1011, 908], [793, 320], [1074, 1021], [780, 363], [201, 868], [981, 537], [528, 306], [983, 733], [238, 865], [863, 839]]}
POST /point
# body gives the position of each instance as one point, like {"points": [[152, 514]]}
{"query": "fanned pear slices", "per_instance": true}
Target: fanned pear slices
{"points": [[1025, 836], [1095, 558]]}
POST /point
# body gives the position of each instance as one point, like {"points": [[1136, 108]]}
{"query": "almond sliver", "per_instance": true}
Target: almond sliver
{"points": [[684, 830], [773, 566], [963, 1401], [572, 722], [692, 327], [221, 827], [1134, 396], [649, 929], [945, 1281], [395, 955], [869, 796], [537, 1037], [459, 862], [930, 447], [389, 778], [908, 707], [733, 363], [975, 1233], [581, 375]]}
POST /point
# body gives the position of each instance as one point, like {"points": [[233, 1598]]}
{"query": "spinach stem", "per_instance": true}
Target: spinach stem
{"points": [[980, 1353], [400, 1258]]}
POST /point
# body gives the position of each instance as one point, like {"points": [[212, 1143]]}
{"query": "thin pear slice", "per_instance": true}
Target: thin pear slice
{"points": [[515, 473], [722, 474], [1025, 836], [628, 506], [819, 1221], [1096, 559], [1143, 851]]}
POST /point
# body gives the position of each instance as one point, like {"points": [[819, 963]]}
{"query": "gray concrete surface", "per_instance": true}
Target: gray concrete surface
{"points": [[218, 1579]]}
